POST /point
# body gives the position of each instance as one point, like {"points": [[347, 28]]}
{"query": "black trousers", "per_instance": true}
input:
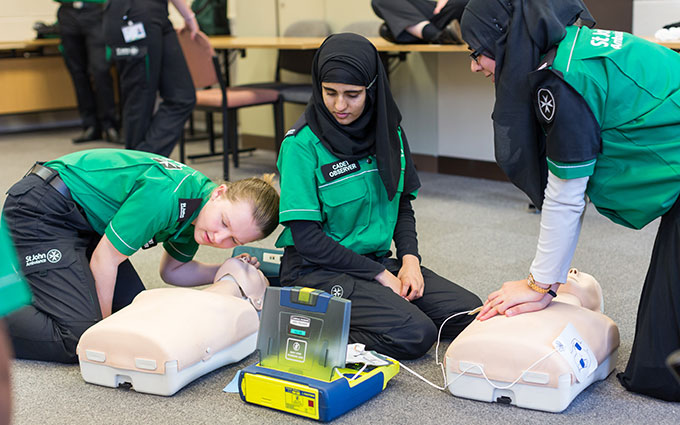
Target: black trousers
{"points": [[54, 244], [388, 324], [149, 67], [82, 42], [657, 330], [401, 14]]}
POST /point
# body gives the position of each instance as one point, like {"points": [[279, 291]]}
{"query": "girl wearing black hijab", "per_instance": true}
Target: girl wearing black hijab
{"points": [[586, 112], [347, 181]]}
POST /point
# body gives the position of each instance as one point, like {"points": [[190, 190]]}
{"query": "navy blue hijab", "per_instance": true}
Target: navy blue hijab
{"points": [[516, 33]]}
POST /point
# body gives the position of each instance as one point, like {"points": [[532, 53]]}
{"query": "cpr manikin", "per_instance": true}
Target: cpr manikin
{"points": [[516, 359], [167, 337]]}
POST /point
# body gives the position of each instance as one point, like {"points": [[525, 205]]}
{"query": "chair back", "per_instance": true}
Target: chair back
{"points": [[199, 55], [365, 28], [300, 61]]}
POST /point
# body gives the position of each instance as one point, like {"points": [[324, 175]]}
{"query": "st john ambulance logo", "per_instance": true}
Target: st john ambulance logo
{"points": [[546, 104], [169, 164], [53, 256], [337, 291]]}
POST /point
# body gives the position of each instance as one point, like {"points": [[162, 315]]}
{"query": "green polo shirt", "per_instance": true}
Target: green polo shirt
{"points": [[349, 199], [14, 292], [137, 198], [632, 87]]}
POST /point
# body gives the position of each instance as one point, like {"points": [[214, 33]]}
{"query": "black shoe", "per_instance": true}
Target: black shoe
{"points": [[385, 33], [111, 135], [446, 36], [88, 135]]}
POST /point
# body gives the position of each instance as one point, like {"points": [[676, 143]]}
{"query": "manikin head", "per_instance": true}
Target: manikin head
{"points": [[238, 278], [581, 289]]}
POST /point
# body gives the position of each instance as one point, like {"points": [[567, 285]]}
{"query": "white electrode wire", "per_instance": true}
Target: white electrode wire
{"points": [[481, 369], [441, 364], [358, 372], [436, 352], [420, 377]]}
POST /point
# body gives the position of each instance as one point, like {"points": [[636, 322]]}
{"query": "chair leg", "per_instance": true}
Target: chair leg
{"points": [[191, 124], [210, 123], [278, 126], [226, 125], [233, 135]]}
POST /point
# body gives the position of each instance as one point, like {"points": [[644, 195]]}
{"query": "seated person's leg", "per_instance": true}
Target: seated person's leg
{"points": [[452, 11], [380, 319], [400, 15], [413, 21], [37, 336], [441, 299], [50, 235], [64, 305]]}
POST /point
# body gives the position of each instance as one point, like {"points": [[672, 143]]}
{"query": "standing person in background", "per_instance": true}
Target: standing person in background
{"points": [[594, 113], [82, 45], [14, 294], [150, 62], [417, 21]]}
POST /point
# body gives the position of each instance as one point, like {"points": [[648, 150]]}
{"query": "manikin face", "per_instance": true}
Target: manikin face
{"points": [[485, 65], [222, 223], [345, 101]]}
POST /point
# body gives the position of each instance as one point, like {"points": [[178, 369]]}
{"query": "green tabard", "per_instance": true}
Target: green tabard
{"points": [[635, 98], [137, 197], [348, 198]]}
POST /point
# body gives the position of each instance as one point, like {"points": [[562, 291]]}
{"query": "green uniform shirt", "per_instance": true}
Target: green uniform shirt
{"points": [[14, 292], [349, 199], [137, 198], [632, 87]]}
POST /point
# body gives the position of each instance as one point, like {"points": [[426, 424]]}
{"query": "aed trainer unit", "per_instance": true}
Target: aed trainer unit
{"points": [[303, 347]]}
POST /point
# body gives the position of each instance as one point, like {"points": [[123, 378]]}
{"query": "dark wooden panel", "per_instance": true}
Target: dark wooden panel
{"points": [[612, 14]]}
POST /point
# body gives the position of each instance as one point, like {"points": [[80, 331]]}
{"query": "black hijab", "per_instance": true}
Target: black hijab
{"points": [[516, 33], [351, 59]]}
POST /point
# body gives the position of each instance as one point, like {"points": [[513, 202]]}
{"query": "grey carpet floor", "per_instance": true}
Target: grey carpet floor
{"points": [[477, 233]]}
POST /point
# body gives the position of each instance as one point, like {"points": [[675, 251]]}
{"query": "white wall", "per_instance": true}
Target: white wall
{"points": [[650, 15], [17, 17], [446, 108]]}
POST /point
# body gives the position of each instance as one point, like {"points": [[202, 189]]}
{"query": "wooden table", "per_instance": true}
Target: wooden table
{"points": [[33, 77], [674, 44], [223, 42], [39, 81], [15, 47], [296, 43]]}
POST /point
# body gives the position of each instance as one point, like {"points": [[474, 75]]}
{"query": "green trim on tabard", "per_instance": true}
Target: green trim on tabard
{"points": [[572, 170]]}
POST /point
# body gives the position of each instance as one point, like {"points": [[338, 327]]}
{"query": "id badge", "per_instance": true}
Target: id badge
{"points": [[133, 32]]}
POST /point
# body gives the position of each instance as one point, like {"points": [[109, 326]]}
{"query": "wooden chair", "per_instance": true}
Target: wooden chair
{"points": [[295, 63], [217, 97]]}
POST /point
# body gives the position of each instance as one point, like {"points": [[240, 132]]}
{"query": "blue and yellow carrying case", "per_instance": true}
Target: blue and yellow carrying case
{"points": [[303, 346], [309, 397]]}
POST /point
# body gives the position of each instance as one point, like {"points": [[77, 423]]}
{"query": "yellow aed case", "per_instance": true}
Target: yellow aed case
{"points": [[303, 344]]}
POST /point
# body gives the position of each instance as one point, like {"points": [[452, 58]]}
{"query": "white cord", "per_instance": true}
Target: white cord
{"points": [[481, 369], [358, 372], [441, 364]]}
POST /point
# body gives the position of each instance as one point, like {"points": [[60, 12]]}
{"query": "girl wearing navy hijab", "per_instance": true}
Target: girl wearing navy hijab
{"points": [[582, 112], [347, 182]]}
